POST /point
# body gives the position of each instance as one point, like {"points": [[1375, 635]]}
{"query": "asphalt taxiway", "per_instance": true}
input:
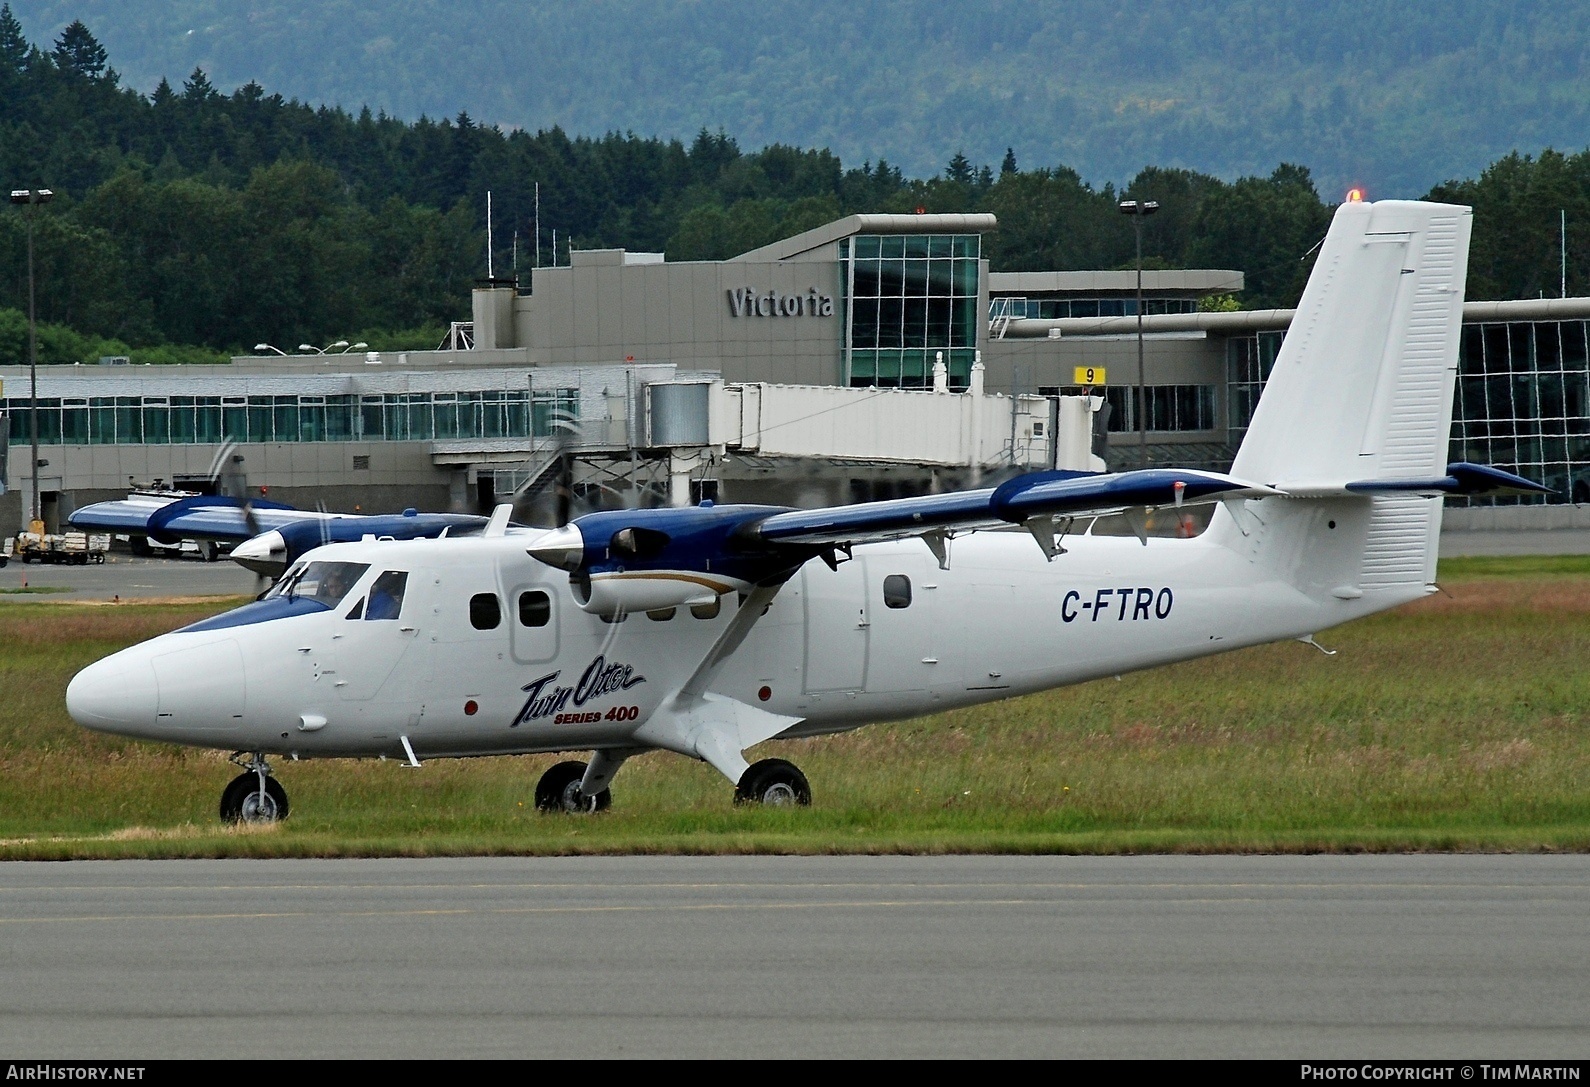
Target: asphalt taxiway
{"points": [[1293, 957]]}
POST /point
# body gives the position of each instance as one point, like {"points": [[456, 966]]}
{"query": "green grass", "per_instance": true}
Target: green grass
{"points": [[1454, 724]]}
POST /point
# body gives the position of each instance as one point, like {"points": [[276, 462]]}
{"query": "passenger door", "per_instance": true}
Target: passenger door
{"points": [[836, 626], [901, 591]]}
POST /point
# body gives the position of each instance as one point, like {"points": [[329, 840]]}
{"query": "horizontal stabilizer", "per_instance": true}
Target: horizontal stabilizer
{"points": [[1461, 478]]}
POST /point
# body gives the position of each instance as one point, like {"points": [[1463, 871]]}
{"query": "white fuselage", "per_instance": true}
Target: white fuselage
{"points": [[830, 650]]}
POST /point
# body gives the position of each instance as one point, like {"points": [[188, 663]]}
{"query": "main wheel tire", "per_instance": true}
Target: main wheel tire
{"points": [[241, 802], [774, 782], [559, 791]]}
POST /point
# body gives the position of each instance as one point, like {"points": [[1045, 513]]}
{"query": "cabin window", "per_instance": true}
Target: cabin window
{"points": [[661, 615], [357, 611], [707, 611], [535, 609], [485, 611], [386, 595], [897, 591]]}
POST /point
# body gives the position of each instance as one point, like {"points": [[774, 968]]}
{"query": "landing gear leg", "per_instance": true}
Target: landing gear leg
{"points": [[559, 789], [774, 782], [253, 796]]}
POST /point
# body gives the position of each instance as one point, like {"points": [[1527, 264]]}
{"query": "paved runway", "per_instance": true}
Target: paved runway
{"points": [[1439, 956]]}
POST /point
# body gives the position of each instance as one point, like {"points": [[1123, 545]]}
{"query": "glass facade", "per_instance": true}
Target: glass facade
{"points": [[908, 298], [1522, 402], [1171, 408], [1249, 360], [210, 420], [1050, 309]]}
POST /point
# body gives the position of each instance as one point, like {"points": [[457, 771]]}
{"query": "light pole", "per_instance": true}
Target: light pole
{"points": [[1138, 210], [309, 348], [33, 198]]}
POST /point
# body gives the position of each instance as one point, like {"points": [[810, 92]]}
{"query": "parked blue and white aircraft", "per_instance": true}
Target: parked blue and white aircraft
{"points": [[707, 630], [267, 537]]}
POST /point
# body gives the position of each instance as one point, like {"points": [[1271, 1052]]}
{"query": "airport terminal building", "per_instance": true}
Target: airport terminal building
{"points": [[876, 327]]}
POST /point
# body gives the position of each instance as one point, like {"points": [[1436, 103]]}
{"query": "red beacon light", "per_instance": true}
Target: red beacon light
{"points": [[1355, 196]]}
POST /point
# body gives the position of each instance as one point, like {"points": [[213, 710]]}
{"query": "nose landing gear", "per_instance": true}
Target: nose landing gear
{"points": [[253, 796]]}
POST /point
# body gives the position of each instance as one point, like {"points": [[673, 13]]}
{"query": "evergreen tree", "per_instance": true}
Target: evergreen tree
{"points": [[13, 46], [1009, 165], [197, 88], [959, 169], [78, 51]]}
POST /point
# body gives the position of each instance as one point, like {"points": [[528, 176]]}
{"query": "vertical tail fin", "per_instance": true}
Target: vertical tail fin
{"points": [[1362, 387], [1362, 391]]}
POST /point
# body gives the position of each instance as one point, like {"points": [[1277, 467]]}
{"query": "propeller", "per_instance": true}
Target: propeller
{"points": [[555, 474], [230, 480]]}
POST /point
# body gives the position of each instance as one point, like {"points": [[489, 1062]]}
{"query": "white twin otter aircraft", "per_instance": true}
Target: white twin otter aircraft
{"points": [[707, 630]]}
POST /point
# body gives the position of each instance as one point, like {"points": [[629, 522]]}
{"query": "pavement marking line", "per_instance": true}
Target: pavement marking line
{"points": [[521, 910], [607, 886], [504, 911]]}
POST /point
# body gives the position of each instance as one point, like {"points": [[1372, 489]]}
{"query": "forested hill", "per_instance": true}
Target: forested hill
{"points": [[1393, 95], [191, 221]]}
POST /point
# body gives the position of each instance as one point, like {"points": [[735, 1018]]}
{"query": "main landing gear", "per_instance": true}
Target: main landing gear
{"points": [[559, 790], [253, 796], [774, 782]]}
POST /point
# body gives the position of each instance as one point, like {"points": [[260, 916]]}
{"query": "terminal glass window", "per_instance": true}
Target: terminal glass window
{"points": [[1522, 402], [1018, 307], [911, 299], [210, 420], [1170, 408], [1523, 405]]}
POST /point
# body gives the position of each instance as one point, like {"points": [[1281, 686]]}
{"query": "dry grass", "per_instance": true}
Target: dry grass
{"points": [[1455, 723]]}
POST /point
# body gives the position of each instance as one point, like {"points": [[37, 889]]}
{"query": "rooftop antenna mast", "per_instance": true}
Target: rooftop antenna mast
{"points": [[1562, 247], [538, 224], [488, 235]]}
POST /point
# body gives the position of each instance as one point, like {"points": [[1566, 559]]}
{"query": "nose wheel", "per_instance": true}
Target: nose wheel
{"points": [[773, 782], [253, 796], [559, 790]]}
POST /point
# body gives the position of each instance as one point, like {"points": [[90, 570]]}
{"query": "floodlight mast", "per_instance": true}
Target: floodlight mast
{"points": [[1138, 210], [32, 198]]}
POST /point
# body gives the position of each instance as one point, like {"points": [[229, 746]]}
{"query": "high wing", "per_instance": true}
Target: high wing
{"points": [[1036, 494]]}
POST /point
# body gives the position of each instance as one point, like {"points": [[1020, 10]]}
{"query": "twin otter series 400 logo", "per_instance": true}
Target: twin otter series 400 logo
{"points": [[543, 699]]}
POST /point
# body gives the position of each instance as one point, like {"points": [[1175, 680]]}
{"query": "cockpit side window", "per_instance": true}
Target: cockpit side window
{"points": [[386, 595], [327, 582]]}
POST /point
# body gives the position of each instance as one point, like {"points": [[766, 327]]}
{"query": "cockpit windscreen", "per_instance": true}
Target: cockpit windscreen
{"points": [[326, 582]]}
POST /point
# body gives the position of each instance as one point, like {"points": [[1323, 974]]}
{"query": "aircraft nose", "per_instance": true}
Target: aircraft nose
{"points": [[264, 554], [117, 694]]}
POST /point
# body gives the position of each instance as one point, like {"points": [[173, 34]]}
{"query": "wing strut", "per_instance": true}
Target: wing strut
{"points": [[711, 727]]}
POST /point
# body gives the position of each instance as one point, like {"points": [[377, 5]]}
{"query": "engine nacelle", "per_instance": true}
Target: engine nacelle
{"points": [[626, 592]]}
